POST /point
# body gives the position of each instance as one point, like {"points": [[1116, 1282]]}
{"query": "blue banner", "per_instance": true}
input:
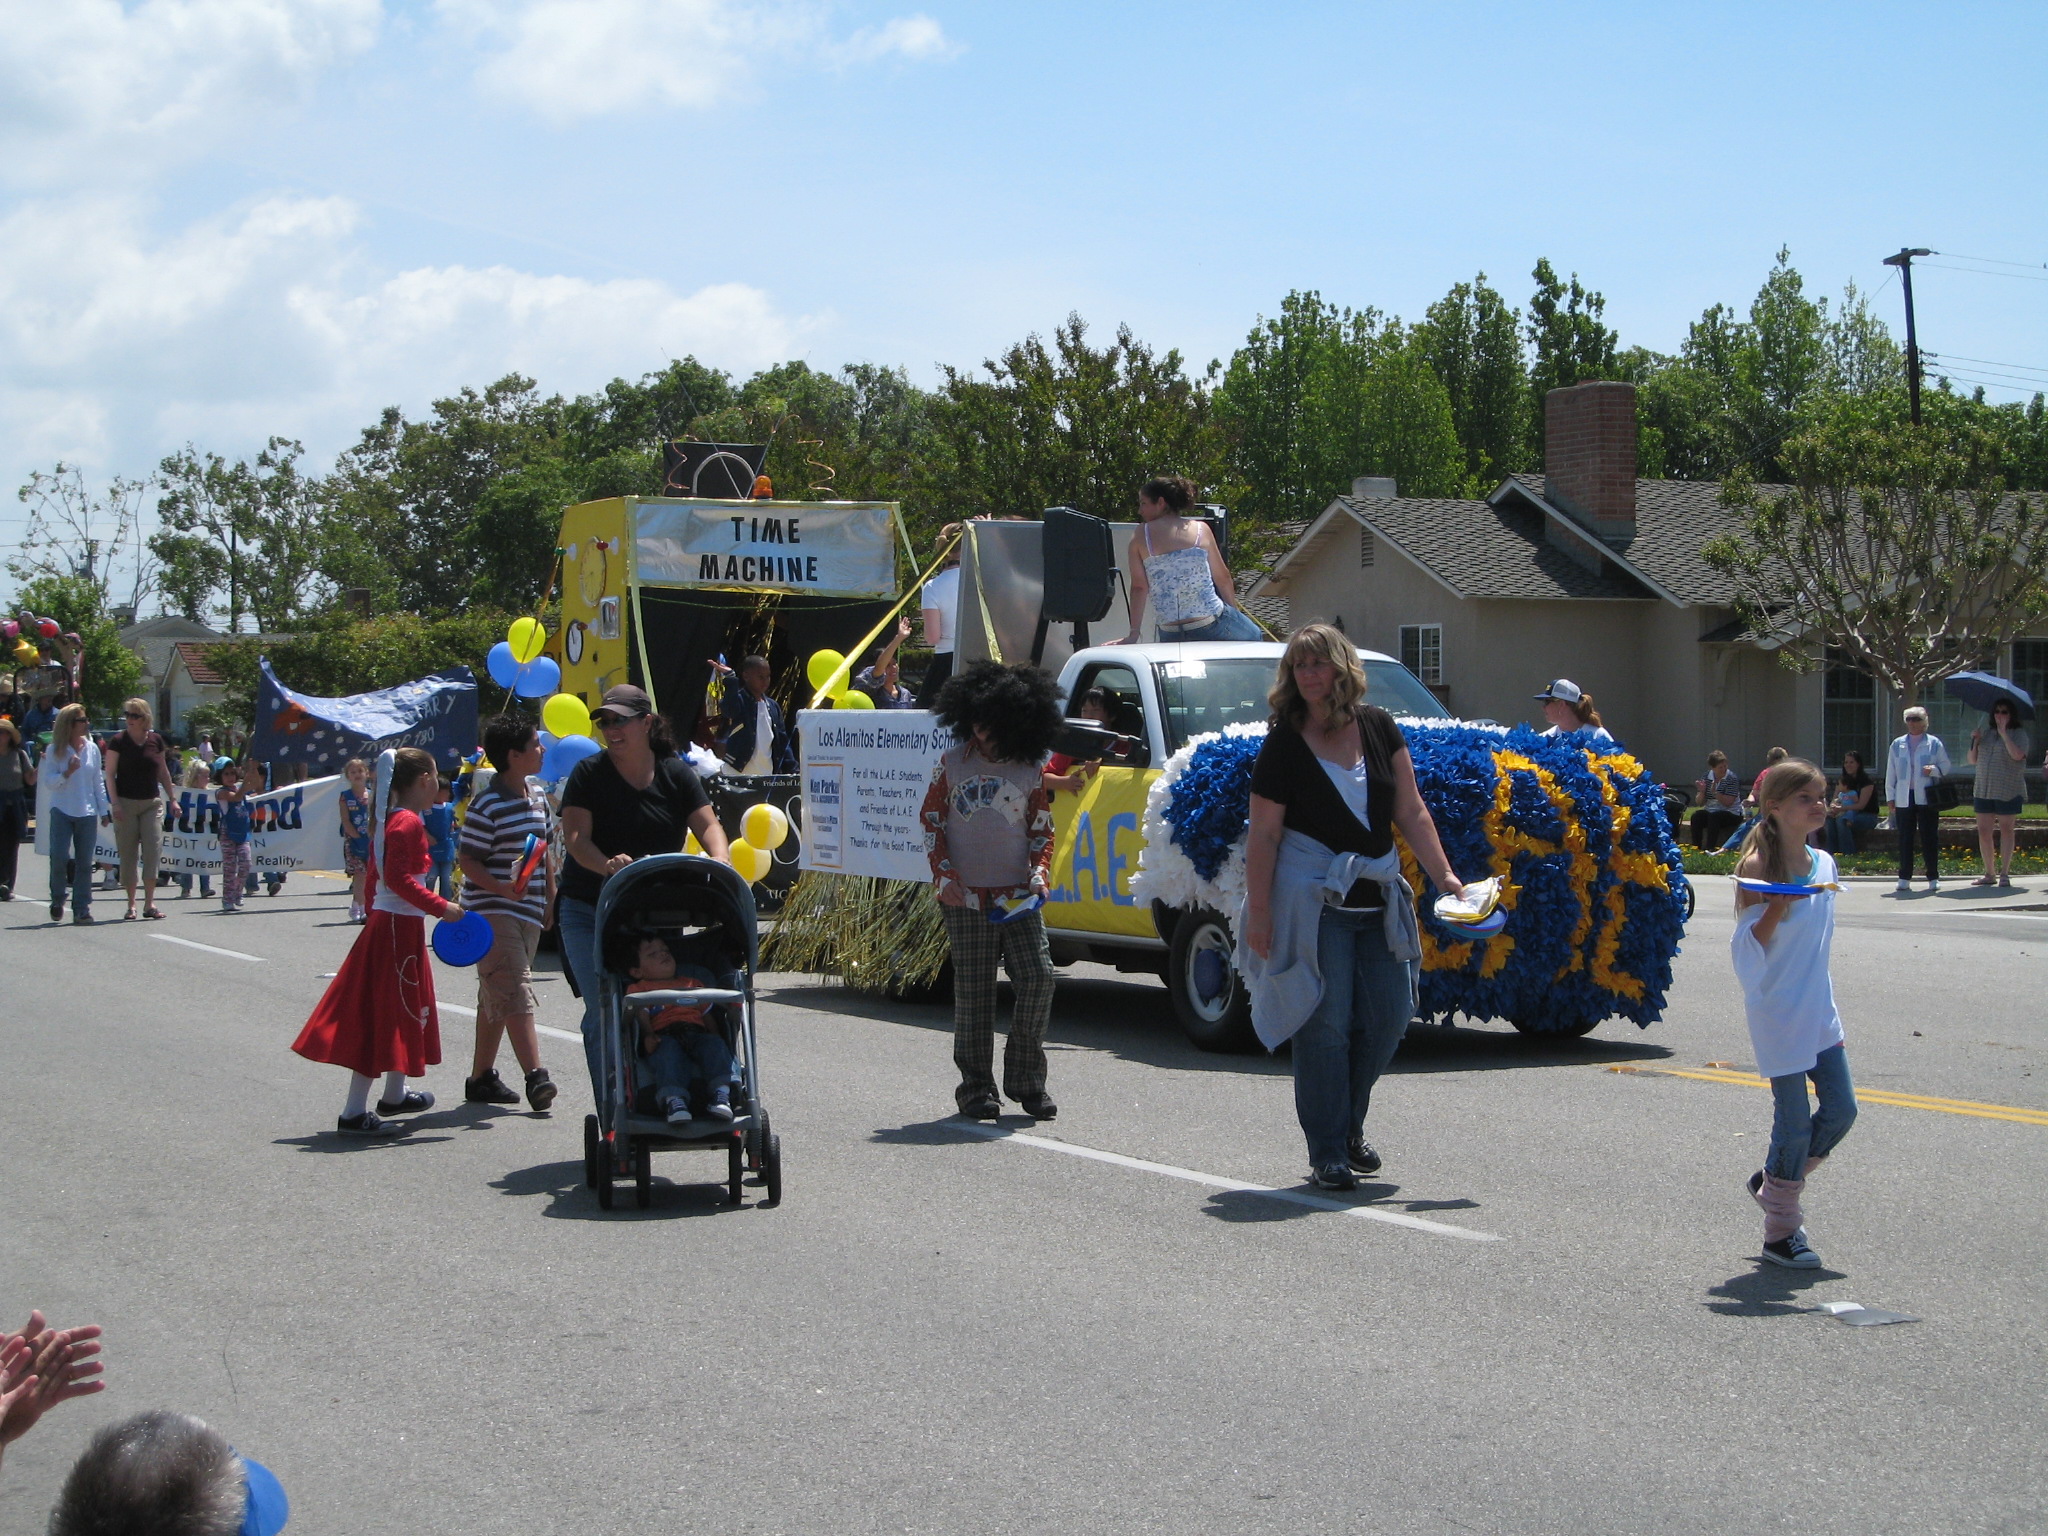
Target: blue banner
{"points": [[438, 713]]}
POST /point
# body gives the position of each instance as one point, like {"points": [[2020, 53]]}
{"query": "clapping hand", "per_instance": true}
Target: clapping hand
{"points": [[41, 1367]]}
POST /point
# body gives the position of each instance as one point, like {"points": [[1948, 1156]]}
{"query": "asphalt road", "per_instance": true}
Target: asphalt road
{"points": [[1563, 1327]]}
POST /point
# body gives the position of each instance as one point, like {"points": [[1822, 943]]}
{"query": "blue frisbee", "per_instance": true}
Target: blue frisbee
{"points": [[464, 941]]}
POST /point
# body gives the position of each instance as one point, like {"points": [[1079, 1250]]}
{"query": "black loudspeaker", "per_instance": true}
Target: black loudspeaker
{"points": [[717, 471], [1080, 567]]}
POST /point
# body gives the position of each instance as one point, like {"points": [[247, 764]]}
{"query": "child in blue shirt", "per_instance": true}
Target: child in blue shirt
{"points": [[440, 822], [234, 824]]}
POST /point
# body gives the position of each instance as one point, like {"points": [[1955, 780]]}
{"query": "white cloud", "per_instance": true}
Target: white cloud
{"points": [[93, 89], [115, 347], [569, 59]]}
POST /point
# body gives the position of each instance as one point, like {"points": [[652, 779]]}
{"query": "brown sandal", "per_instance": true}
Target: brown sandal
{"points": [[154, 913]]}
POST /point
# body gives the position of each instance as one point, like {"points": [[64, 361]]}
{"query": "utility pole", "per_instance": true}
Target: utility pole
{"points": [[1904, 262]]}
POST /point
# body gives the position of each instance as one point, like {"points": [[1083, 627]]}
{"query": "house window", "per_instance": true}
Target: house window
{"points": [[1849, 713], [1365, 549], [1422, 651]]}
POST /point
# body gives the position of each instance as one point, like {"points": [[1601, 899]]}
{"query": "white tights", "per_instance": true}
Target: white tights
{"points": [[359, 1091]]}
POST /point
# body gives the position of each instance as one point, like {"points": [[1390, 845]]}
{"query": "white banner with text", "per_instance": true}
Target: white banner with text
{"points": [[839, 547], [298, 827], [864, 777]]}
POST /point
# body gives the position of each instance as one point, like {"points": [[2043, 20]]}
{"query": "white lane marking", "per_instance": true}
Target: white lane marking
{"points": [[232, 954], [1212, 1181], [559, 1034], [2010, 917]]}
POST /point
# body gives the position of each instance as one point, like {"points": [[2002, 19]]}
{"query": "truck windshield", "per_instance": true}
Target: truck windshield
{"points": [[1203, 695]]}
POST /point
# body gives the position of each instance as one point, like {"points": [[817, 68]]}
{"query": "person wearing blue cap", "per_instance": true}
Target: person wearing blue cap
{"points": [[163, 1472]]}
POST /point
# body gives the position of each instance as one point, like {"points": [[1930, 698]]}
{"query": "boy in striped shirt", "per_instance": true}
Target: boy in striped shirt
{"points": [[494, 835]]}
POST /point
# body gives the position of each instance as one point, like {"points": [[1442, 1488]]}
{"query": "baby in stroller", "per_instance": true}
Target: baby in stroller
{"points": [[681, 1048]]}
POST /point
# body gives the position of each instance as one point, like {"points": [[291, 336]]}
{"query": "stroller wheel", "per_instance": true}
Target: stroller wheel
{"points": [[643, 1174], [590, 1151], [771, 1169], [735, 1167]]}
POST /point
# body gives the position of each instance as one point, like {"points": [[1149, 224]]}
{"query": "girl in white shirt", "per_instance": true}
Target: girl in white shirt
{"points": [[1781, 958]]}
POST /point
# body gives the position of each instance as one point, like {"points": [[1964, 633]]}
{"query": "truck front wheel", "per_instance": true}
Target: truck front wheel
{"points": [[1208, 995]]}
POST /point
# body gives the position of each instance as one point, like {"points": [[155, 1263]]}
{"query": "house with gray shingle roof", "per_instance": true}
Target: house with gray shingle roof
{"points": [[1588, 572]]}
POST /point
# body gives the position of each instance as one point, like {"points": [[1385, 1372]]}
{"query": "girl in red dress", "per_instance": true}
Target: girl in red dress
{"points": [[378, 1013]]}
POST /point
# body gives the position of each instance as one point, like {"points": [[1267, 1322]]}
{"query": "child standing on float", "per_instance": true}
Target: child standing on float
{"points": [[1781, 958], [377, 1016]]}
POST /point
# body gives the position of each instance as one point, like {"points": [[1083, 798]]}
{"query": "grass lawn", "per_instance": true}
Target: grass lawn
{"points": [[1956, 863]]}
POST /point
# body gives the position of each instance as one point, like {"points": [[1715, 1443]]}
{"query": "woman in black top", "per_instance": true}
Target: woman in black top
{"points": [[1852, 811], [1334, 777], [137, 774], [17, 778], [635, 798]]}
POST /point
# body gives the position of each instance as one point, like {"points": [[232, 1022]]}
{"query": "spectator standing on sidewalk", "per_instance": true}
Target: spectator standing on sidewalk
{"points": [[1998, 750], [17, 778], [1914, 769]]}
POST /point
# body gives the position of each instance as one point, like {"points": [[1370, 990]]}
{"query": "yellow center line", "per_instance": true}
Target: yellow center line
{"points": [[1970, 1107]]}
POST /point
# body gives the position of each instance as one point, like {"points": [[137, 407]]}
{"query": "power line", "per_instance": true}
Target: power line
{"points": [[1990, 362], [2025, 277], [1993, 260]]}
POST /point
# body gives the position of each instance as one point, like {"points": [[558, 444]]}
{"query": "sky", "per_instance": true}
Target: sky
{"points": [[224, 220]]}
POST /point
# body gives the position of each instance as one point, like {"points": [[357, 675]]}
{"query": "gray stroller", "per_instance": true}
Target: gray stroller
{"points": [[704, 912]]}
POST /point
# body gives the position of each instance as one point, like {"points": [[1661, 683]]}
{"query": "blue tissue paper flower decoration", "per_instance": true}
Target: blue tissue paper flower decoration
{"points": [[1596, 891]]}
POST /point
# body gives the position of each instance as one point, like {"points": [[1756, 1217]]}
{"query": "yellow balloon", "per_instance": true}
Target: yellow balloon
{"points": [[566, 715], [765, 826], [691, 845], [752, 863], [526, 637], [853, 698], [823, 666]]}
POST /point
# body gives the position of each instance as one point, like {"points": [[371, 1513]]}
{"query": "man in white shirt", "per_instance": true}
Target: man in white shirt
{"points": [[1914, 769]]}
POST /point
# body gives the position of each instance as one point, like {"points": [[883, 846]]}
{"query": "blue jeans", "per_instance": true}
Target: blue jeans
{"points": [[683, 1058], [1230, 624], [1348, 1041], [578, 923], [1797, 1134], [71, 838], [1840, 833], [441, 877]]}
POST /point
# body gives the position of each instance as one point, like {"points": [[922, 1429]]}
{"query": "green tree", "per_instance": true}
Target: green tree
{"points": [[1472, 339], [108, 671], [1320, 395], [253, 533], [1897, 546], [1070, 425], [1568, 341], [457, 510]]}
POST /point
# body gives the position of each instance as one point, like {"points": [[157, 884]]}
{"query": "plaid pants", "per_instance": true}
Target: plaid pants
{"points": [[234, 869], [977, 944]]}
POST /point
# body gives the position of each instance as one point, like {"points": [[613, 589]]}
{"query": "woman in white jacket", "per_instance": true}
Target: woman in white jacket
{"points": [[73, 789], [1914, 769]]}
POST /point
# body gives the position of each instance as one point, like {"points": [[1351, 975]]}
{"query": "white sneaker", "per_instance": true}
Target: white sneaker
{"points": [[1934, 885], [678, 1111], [1902, 887]]}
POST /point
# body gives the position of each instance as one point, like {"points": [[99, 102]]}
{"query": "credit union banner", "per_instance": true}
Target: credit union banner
{"points": [[836, 548], [297, 827]]}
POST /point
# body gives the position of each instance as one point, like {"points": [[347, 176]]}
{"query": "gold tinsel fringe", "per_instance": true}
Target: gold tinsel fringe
{"points": [[877, 935]]}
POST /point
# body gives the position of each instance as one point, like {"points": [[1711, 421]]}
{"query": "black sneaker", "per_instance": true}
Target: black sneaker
{"points": [[414, 1101], [1792, 1252], [1334, 1176], [366, 1124], [987, 1107], [540, 1089], [56, 911], [488, 1089], [1363, 1158], [83, 919], [1039, 1106]]}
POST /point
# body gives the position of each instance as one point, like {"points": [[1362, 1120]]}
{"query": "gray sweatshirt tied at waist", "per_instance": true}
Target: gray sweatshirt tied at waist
{"points": [[1287, 988]]}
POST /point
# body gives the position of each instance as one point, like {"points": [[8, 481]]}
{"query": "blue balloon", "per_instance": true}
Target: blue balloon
{"points": [[538, 678], [502, 665], [566, 754], [547, 739], [463, 940]]}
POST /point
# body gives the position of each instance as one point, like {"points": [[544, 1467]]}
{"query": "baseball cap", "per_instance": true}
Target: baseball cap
{"points": [[268, 1508], [625, 702], [1564, 688]]}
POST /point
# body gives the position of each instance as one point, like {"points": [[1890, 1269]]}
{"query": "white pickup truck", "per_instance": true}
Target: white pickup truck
{"points": [[1162, 696]]}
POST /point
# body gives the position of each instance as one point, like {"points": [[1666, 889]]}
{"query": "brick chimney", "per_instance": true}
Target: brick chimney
{"points": [[1589, 457]]}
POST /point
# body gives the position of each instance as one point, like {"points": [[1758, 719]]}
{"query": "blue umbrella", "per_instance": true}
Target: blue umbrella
{"points": [[1981, 690]]}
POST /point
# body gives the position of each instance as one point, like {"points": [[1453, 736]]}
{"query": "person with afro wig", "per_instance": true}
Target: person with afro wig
{"points": [[988, 833]]}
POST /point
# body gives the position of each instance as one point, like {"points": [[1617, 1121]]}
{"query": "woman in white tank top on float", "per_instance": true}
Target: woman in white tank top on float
{"points": [[1175, 562]]}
